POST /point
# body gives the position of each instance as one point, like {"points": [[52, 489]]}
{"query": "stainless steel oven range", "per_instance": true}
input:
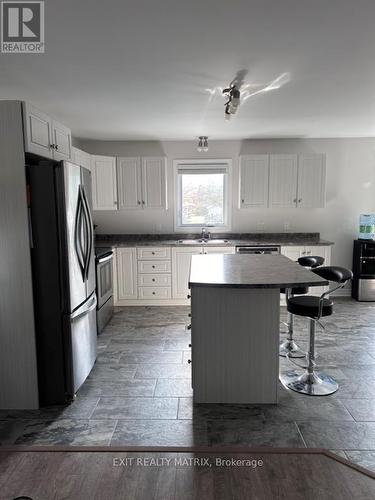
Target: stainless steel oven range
{"points": [[104, 285]]}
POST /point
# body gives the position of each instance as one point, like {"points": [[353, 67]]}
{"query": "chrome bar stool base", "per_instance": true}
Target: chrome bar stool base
{"points": [[291, 349], [312, 384]]}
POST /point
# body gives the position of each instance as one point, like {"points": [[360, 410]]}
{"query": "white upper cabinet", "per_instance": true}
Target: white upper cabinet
{"points": [[62, 141], [38, 131], [283, 181], [142, 183], [129, 183], [311, 181], [44, 136], [81, 158], [104, 182], [254, 179], [279, 181], [154, 186]]}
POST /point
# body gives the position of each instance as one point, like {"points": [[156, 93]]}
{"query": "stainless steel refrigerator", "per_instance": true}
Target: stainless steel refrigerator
{"points": [[63, 264]]}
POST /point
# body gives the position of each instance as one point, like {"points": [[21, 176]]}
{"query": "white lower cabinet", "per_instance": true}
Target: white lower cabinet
{"points": [[154, 274], [160, 275], [154, 280], [154, 266], [126, 266], [220, 250], [148, 292], [181, 259]]}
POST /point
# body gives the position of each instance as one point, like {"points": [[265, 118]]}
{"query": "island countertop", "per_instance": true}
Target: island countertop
{"points": [[250, 271]]}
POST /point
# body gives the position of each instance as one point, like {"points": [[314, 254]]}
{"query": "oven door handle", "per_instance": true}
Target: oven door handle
{"points": [[105, 259]]}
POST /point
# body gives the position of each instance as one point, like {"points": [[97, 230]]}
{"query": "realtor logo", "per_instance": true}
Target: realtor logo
{"points": [[22, 27]]}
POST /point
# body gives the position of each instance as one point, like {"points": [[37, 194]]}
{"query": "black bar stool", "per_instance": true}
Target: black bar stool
{"points": [[312, 382], [289, 346]]}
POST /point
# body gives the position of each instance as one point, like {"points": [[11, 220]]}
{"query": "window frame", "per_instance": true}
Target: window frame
{"points": [[205, 164]]}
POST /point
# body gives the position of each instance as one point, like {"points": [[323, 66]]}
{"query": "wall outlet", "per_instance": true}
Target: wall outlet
{"points": [[260, 227], [286, 226]]}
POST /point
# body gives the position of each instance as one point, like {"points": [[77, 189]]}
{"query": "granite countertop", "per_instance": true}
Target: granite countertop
{"points": [[250, 271], [219, 240]]}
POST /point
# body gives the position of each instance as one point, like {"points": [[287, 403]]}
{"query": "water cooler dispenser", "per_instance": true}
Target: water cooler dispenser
{"points": [[363, 286]]}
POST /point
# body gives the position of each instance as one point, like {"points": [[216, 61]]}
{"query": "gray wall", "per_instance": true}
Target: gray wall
{"points": [[350, 187]]}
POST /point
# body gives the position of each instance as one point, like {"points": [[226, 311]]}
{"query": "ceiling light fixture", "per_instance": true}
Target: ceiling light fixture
{"points": [[202, 144], [234, 95]]}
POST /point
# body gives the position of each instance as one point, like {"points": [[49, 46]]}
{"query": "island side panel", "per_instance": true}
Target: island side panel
{"points": [[235, 344]]}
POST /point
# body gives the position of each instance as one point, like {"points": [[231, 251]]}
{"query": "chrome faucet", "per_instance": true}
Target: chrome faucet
{"points": [[205, 235]]}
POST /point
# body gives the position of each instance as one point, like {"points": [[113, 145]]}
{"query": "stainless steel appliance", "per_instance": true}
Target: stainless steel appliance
{"points": [[363, 285], [104, 285], [258, 249], [63, 265]]}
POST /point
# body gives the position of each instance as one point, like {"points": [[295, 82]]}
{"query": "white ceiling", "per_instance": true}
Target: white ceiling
{"points": [[139, 69]]}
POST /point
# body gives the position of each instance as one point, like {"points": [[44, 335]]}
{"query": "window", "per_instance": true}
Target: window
{"points": [[202, 194]]}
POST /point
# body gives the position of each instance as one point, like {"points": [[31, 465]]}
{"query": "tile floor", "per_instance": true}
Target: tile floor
{"points": [[139, 393]]}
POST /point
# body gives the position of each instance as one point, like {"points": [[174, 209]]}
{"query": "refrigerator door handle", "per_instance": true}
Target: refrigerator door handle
{"points": [[85, 309], [77, 235], [89, 232]]}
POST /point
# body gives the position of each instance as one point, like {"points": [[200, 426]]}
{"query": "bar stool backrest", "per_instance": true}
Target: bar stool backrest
{"points": [[311, 261], [334, 273], [337, 274]]}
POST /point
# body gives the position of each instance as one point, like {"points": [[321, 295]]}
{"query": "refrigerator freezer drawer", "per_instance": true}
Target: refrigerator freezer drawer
{"points": [[82, 344], [366, 290]]}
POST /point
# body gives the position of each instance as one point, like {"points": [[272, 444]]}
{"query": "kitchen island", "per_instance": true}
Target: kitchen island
{"points": [[235, 307]]}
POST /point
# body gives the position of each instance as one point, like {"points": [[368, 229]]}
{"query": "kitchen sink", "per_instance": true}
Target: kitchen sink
{"points": [[200, 241]]}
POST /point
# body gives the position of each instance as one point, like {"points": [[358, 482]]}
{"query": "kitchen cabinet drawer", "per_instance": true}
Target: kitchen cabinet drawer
{"points": [[149, 292], [154, 279], [154, 266], [154, 253]]}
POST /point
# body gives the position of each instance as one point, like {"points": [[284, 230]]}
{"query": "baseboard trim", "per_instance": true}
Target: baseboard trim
{"points": [[170, 302]]}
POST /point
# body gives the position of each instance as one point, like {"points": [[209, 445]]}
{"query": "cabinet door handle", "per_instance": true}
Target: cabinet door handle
{"points": [[139, 202], [116, 202], [189, 296], [242, 201], [153, 267], [153, 293], [189, 345], [295, 200], [189, 361], [299, 201], [52, 146], [153, 253], [143, 203], [188, 327], [153, 279], [56, 147]]}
